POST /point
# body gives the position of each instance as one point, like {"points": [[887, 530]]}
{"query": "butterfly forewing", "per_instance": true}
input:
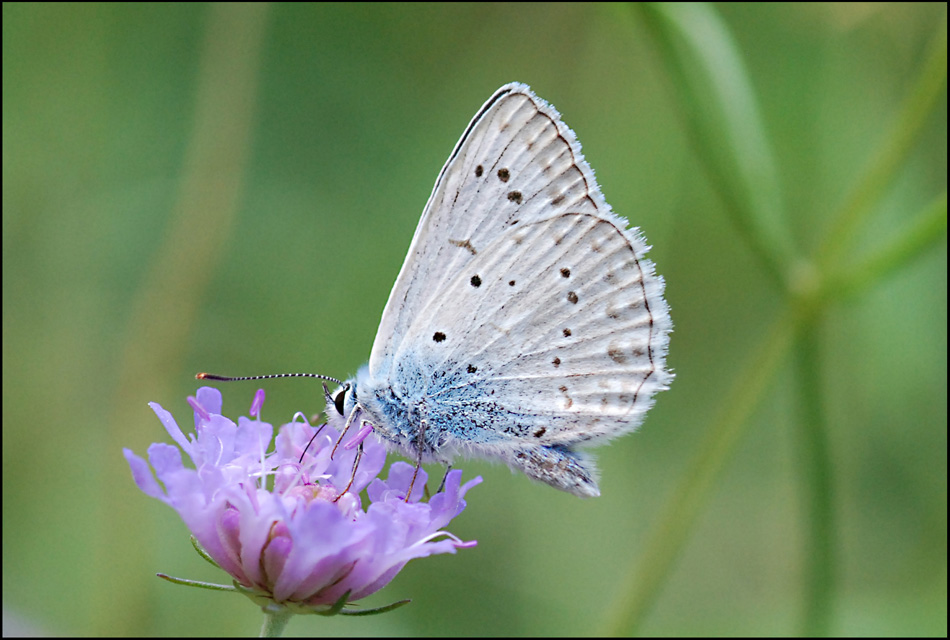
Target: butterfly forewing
{"points": [[516, 163]]}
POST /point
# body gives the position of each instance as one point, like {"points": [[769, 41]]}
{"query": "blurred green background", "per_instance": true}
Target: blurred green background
{"points": [[233, 189]]}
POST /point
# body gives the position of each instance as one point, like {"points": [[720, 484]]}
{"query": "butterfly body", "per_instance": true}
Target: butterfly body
{"points": [[525, 321]]}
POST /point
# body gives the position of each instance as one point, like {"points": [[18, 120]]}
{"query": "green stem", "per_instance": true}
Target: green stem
{"points": [[663, 545], [929, 227], [275, 619], [816, 481], [723, 120], [918, 105]]}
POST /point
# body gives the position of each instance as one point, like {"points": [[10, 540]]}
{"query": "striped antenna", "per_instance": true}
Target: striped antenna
{"points": [[211, 376]]}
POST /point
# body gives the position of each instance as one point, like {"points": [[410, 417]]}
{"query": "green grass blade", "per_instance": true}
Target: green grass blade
{"points": [[672, 528], [918, 106], [723, 119], [928, 229], [817, 483]]}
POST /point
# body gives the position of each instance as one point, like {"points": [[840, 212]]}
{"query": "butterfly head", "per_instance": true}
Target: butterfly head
{"points": [[340, 402]]}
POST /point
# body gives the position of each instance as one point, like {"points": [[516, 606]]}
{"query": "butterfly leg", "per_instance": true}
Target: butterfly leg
{"points": [[448, 468], [421, 441], [349, 422], [356, 464]]}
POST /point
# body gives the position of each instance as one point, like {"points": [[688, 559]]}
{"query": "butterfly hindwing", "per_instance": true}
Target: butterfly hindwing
{"points": [[557, 330]]}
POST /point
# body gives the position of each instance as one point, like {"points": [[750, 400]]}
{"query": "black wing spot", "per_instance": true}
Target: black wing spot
{"points": [[572, 297], [471, 369], [539, 432], [515, 196], [556, 362], [567, 334], [503, 175], [438, 336], [479, 171], [476, 281], [565, 272], [511, 283]]}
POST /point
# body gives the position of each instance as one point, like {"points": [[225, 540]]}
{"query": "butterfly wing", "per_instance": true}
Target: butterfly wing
{"points": [[554, 336], [516, 163], [525, 320]]}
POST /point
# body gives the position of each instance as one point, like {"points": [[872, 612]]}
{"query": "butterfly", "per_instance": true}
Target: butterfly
{"points": [[525, 323]]}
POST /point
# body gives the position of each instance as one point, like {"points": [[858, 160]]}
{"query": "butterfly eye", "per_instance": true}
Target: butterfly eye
{"points": [[338, 401]]}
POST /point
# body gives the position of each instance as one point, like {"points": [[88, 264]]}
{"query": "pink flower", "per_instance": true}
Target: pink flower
{"points": [[285, 529]]}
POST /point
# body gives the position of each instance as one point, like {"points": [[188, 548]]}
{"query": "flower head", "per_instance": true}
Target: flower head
{"points": [[287, 523]]}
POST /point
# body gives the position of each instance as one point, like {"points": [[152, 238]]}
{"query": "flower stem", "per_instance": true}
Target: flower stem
{"points": [[275, 619]]}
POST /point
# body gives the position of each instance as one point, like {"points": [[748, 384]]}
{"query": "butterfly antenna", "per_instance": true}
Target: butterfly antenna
{"points": [[211, 376], [326, 394]]}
